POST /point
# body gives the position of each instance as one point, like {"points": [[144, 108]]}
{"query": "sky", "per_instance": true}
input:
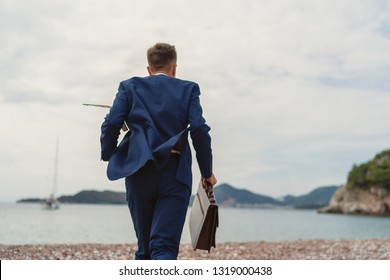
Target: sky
{"points": [[295, 91]]}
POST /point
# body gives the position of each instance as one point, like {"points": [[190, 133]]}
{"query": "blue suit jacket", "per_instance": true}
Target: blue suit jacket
{"points": [[160, 111]]}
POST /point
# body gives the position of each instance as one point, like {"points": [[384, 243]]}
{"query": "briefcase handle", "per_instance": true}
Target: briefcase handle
{"points": [[210, 193]]}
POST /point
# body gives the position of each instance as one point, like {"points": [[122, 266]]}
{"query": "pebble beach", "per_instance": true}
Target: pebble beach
{"points": [[373, 249]]}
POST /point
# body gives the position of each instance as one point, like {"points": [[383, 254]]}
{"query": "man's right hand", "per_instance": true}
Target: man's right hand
{"points": [[211, 181]]}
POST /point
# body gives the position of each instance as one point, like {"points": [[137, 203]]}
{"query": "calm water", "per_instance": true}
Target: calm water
{"points": [[30, 224]]}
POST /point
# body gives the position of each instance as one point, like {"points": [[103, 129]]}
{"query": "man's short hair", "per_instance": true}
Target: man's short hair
{"points": [[161, 55]]}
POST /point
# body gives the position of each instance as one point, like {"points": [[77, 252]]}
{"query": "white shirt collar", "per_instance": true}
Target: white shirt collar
{"points": [[160, 73]]}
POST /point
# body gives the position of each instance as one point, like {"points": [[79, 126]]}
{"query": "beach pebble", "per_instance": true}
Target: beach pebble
{"points": [[375, 249]]}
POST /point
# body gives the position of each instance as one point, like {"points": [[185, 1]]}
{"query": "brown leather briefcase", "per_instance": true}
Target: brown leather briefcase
{"points": [[203, 219]]}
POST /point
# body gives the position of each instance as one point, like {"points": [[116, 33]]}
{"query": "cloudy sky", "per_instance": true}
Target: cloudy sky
{"points": [[295, 91]]}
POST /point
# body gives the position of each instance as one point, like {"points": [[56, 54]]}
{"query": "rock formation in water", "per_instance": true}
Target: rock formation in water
{"points": [[367, 190]]}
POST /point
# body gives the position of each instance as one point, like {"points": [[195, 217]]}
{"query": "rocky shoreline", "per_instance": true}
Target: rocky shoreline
{"points": [[375, 249], [354, 200]]}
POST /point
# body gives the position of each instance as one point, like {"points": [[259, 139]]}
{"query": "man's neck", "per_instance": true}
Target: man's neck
{"points": [[168, 71]]}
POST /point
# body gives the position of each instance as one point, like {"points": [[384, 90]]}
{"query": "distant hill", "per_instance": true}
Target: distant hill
{"points": [[315, 199], [30, 200], [88, 197], [229, 196], [226, 195], [95, 197]]}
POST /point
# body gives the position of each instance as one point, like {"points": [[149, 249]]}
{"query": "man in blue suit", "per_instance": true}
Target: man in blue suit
{"points": [[155, 156]]}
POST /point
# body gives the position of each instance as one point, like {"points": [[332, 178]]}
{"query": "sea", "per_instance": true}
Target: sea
{"points": [[27, 223]]}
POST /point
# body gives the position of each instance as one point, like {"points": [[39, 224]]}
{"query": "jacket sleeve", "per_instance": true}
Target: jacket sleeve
{"points": [[200, 136], [113, 123]]}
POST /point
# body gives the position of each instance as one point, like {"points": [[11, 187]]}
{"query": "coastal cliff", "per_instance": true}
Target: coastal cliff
{"points": [[348, 200], [367, 190]]}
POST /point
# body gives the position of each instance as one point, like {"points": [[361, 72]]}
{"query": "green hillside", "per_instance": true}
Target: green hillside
{"points": [[374, 173]]}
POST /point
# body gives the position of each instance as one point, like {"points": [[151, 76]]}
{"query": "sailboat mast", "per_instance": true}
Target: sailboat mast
{"points": [[55, 182]]}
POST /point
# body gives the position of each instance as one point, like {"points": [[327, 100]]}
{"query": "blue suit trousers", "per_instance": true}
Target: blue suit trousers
{"points": [[158, 206]]}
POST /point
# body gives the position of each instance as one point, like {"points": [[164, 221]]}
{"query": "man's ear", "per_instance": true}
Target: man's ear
{"points": [[174, 70], [149, 70]]}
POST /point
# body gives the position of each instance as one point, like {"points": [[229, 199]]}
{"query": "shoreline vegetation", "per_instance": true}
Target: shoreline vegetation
{"points": [[371, 249]]}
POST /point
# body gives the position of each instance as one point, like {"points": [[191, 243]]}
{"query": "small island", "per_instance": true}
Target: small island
{"points": [[367, 190]]}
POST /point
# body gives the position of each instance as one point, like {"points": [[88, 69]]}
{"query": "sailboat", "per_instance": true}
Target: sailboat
{"points": [[52, 203]]}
